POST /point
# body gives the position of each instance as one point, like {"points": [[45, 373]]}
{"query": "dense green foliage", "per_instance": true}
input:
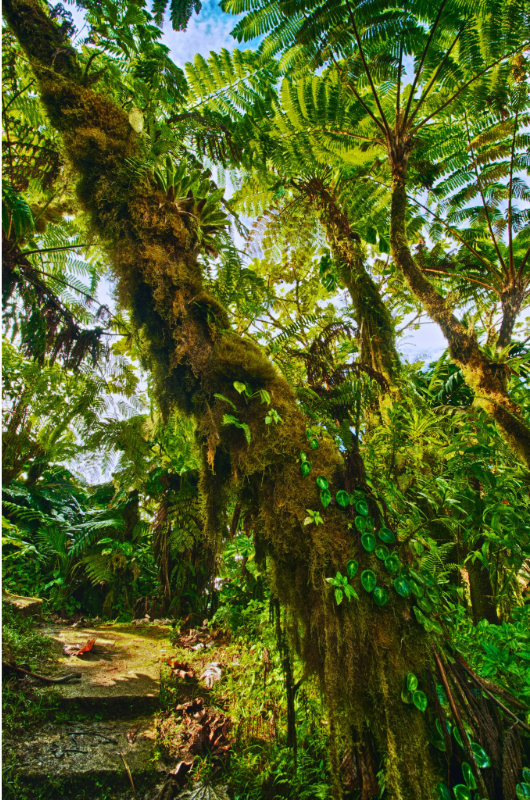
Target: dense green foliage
{"points": [[161, 449]]}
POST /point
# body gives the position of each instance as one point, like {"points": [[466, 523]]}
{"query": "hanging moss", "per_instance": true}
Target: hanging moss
{"points": [[360, 652]]}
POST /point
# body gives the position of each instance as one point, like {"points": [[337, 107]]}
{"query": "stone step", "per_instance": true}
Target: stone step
{"points": [[25, 606], [120, 675], [50, 756]]}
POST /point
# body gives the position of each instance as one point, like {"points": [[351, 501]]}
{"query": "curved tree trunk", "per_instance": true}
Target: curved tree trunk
{"points": [[362, 653], [486, 378]]}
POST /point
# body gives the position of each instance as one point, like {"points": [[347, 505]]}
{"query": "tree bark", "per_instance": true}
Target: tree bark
{"points": [[485, 377]]}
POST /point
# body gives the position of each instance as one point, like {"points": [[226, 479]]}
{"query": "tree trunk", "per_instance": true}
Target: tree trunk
{"points": [[481, 592], [486, 378], [361, 653]]}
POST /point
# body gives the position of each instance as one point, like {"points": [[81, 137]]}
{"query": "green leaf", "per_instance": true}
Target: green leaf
{"points": [[386, 536], [412, 682], [392, 563], [338, 596], [322, 482], [380, 596], [456, 734], [368, 580], [419, 699], [369, 542], [360, 524], [406, 696], [222, 397], [239, 387], [481, 757], [350, 592], [325, 497], [361, 506], [461, 792], [351, 568], [402, 586], [419, 616], [522, 790], [314, 444], [443, 792], [425, 604], [343, 498], [382, 552], [468, 775], [306, 468], [416, 588]]}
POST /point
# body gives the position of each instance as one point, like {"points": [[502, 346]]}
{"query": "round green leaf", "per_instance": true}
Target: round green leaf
{"points": [[412, 682], [526, 775], [314, 444], [322, 482], [522, 790], [419, 699], [402, 586], [370, 524], [306, 468], [426, 605], [481, 757], [386, 536], [392, 563], [442, 792], [303, 456], [343, 498], [416, 576], [382, 552], [419, 616], [462, 792], [361, 506], [368, 541], [368, 580], [380, 596], [360, 524], [325, 497], [468, 775], [406, 696], [351, 568], [416, 588]]}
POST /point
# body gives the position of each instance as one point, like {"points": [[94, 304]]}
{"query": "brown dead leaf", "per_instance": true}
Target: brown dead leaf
{"points": [[132, 734]]}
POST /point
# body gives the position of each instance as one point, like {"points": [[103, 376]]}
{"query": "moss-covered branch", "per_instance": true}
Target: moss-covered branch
{"points": [[485, 377]]}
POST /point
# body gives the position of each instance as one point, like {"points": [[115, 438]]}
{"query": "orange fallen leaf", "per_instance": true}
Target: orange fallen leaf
{"points": [[86, 648]]}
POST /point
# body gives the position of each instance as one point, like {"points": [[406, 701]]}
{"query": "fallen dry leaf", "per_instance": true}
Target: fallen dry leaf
{"points": [[211, 674], [87, 647], [132, 734]]}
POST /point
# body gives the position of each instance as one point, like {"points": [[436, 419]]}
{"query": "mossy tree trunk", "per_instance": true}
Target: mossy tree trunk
{"points": [[373, 316], [485, 377], [362, 653]]}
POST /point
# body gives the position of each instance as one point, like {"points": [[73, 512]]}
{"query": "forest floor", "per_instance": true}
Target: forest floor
{"points": [[132, 724]]}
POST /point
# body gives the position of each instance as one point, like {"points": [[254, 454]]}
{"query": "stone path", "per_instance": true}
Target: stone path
{"points": [[115, 698]]}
